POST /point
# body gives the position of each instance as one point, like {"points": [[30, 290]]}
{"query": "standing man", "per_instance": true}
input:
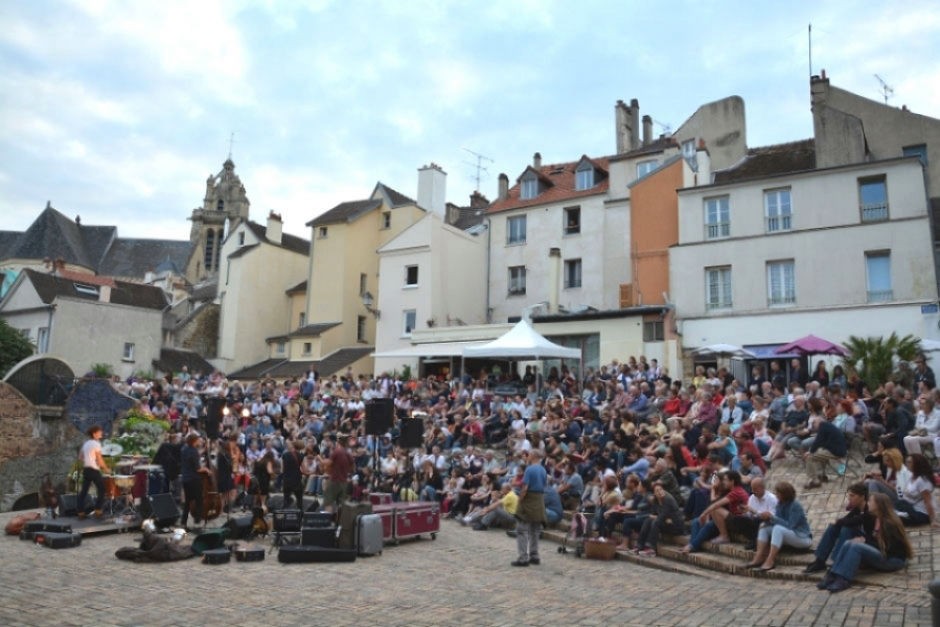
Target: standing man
{"points": [[340, 468], [190, 474], [93, 466], [292, 477], [530, 513]]}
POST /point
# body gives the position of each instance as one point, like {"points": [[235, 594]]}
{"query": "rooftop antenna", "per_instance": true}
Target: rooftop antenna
{"points": [[480, 168], [666, 128], [231, 141], [809, 33], [886, 90]]}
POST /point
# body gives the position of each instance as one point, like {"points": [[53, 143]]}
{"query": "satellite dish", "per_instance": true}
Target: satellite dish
{"points": [[111, 449]]}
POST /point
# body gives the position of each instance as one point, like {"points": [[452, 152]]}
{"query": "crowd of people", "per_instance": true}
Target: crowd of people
{"points": [[640, 454]]}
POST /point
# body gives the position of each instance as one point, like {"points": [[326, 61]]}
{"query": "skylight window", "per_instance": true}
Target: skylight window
{"points": [[87, 290]]}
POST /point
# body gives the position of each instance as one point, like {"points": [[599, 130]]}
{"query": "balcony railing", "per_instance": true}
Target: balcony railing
{"points": [[717, 229], [781, 299], [875, 212], [778, 223]]}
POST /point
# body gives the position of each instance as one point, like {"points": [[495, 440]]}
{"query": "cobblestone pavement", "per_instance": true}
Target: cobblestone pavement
{"points": [[463, 577]]}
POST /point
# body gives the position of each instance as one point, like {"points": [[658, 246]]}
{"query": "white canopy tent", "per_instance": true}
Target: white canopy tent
{"points": [[522, 343]]}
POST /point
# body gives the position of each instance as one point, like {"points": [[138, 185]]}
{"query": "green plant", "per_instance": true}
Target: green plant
{"points": [[873, 358], [14, 347], [144, 374], [405, 372], [102, 371]]}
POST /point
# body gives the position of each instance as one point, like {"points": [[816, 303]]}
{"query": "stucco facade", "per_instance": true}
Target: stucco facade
{"points": [[431, 275], [253, 282], [827, 248]]}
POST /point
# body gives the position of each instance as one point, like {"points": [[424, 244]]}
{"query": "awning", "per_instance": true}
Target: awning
{"points": [[768, 351], [431, 349]]}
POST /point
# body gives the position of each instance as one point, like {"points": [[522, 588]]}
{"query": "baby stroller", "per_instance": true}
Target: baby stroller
{"points": [[577, 532]]}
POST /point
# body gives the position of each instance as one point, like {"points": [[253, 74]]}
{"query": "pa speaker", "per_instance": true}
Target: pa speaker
{"points": [[163, 509], [412, 433], [380, 413]]}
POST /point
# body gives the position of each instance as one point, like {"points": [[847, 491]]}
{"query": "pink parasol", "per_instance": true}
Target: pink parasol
{"points": [[812, 345]]}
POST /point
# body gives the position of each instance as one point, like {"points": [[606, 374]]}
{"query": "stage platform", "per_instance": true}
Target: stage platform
{"points": [[90, 526]]}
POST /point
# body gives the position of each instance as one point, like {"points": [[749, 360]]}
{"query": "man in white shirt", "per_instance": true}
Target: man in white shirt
{"points": [[760, 501], [93, 465]]}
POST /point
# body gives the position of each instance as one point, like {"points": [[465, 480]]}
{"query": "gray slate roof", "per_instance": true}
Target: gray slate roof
{"points": [[314, 330], [49, 287], [288, 241], [345, 212], [97, 248]]}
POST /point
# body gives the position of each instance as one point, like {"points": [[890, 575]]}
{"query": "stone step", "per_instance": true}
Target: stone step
{"points": [[727, 564]]}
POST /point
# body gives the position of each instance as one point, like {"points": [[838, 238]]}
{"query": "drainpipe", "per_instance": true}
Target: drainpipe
{"points": [[489, 236], [52, 308]]}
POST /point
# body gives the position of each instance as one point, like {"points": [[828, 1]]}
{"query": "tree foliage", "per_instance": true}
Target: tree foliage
{"points": [[873, 358], [14, 347]]}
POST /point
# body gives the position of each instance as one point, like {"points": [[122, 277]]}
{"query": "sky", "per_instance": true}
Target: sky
{"points": [[118, 111]]}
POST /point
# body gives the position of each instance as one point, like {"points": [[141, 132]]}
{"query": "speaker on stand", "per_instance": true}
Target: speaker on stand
{"points": [[412, 433], [380, 415]]}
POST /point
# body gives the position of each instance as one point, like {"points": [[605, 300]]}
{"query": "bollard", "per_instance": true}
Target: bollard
{"points": [[934, 587]]}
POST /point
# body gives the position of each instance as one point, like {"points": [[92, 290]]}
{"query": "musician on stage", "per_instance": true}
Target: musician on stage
{"points": [[93, 465], [191, 474]]}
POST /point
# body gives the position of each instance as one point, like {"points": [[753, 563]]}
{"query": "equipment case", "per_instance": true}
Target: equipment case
{"points": [[417, 518], [369, 534], [311, 554], [56, 540]]}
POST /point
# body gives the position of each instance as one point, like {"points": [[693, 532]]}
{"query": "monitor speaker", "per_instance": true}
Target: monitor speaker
{"points": [[162, 508], [380, 412], [412, 433]]}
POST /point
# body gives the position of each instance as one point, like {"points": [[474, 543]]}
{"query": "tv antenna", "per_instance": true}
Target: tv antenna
{"points": [[231, 142], [480, 168], [666, 128], [886, 90]]}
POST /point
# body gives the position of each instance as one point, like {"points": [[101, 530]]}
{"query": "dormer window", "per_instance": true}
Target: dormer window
{"points": [[584, 176], [85, 289], [529, 189]]}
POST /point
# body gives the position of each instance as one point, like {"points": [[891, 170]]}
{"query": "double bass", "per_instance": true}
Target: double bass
{"points": [[211, 499]]}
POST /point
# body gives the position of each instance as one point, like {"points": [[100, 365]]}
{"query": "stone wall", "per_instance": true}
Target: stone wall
{"points": [[34, 440]]}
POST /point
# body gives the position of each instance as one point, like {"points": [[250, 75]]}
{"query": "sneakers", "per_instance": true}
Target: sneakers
{"points": [[812, 485], [519, 563], [840, 469], [535, 561], [838, 584]]}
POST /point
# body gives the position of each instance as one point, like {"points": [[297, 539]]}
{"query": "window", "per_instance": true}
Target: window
{"points": [[529, 188], [516, 280], [572, 273], [645, 167], [409, 318], [515, 230], [718, 287], [572, 220], [781, 285], [220, 205], [86, 290], [42, 340], [308, 348], [584, 177], [878, 269], [301, 319], [777, 210], [873, 198], [688, 148], [360, 328], [363, 284], [920, 151], [322, 232], [280, 347], [411, 276], [210, 249], [653, 331], [717, 218], [128, 351], [386, 219]]}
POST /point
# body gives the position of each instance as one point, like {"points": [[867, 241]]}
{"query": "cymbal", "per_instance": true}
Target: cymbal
{"points": [[111, 449]]}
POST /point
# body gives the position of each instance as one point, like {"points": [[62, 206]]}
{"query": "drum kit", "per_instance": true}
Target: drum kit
{"points": [[133, 479]]}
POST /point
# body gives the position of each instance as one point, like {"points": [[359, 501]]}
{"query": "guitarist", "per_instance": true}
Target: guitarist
{"points": [[292, 476], [93, 465]]}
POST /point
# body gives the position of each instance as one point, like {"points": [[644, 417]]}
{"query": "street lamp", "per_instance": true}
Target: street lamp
{"points": [[367, 301]]}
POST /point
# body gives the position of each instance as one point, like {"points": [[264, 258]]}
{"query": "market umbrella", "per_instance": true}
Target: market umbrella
{"points": [[812, 345], [723, 350], [929, 346]]}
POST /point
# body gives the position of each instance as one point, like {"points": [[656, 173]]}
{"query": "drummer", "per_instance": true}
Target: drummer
{"points": [[93, 465]]}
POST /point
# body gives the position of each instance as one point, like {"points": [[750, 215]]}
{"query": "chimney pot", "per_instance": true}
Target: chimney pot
{"points": [[537, 160], [503, 192], [647, 129]]}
